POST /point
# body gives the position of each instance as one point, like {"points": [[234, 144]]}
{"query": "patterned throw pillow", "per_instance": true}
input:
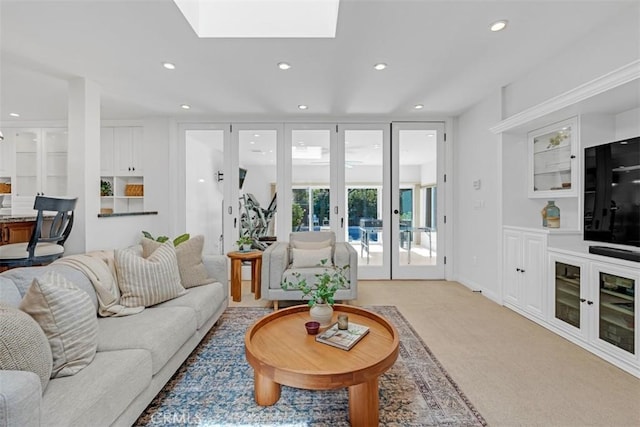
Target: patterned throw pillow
{"points": [[148, 281], [189, 254], [304, 258], [23, 345], [68, 318]]}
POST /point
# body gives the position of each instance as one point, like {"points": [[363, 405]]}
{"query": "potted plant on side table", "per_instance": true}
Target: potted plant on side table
{"points": [[321, 293], [244, 243]]}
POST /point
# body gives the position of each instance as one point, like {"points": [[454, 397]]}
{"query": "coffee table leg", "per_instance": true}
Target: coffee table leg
{"points": [[363, 404], [267, 392], [236, 280]]}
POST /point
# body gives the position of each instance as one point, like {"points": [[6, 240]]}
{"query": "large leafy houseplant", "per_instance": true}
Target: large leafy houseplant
{"points": [[325, 286]]}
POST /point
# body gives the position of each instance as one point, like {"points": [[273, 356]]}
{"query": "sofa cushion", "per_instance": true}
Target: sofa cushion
{"points": [[160, 330], [23, 277], [305, 258], [23, 345], [148, 281], [189, 255], [68, 319], [204, 300], [98, 394], [9, 293]]}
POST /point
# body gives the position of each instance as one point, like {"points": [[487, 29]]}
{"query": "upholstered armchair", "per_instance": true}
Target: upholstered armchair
{"points": [[303, 254]]}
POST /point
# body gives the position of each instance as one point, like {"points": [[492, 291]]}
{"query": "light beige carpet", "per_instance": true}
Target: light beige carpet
{"points": [[515, 372]]}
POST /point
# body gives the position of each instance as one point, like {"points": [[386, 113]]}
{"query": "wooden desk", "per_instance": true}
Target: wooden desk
{"points": [[237, 258]]}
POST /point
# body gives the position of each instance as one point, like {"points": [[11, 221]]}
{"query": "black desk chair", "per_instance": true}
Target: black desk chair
{"points": [[41, 250]]}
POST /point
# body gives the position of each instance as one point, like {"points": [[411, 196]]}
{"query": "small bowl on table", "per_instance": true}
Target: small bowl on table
{"points": [[312, 327]]}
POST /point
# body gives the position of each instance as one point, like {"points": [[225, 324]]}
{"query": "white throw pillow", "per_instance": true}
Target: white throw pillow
{"points": [[68, 318], [23, 345], [301, 244], [189, 254], [304, 258], [148, 281]]}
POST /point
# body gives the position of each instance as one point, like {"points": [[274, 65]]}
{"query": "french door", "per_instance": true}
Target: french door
{"points": [[377, 186], [417, 201]]}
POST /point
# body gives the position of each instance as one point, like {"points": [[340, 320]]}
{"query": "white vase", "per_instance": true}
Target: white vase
{"points": [[322, 313]]}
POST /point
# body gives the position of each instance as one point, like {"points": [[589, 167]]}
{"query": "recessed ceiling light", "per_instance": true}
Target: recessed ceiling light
{"points": [[257, 135], [169, 65], [380, 66], [284, 65], [185, 106], [418, 107], [499, 25], [252, 142], [302, 107], [14, 114]]}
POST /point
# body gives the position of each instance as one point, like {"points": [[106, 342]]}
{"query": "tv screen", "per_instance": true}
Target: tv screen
{"points": [[612, 192]]}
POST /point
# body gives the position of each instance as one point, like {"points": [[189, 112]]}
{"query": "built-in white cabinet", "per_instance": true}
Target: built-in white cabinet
{"points": [[595, 305], [121, 151], [121, 169], [7, 157], [553, 160], [39, 160], [524, 266]]}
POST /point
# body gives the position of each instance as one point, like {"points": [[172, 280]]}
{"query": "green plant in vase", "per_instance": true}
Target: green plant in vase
{"points": [[244, 243], [321, 293], [105, 188]]}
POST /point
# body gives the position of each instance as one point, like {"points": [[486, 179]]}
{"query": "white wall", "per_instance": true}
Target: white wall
{"points": [[594, 55], [475, 229], [627, 124]]}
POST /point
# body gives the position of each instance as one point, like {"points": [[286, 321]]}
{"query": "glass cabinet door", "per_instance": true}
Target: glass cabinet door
{"points": [[552, 154], [567, 293], [617, 311]]}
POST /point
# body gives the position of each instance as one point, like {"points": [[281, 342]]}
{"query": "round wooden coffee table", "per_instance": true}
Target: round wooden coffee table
{"points": [[282, 353]]}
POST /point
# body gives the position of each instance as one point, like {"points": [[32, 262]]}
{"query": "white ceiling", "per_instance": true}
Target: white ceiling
{"points": [[440, 54]]}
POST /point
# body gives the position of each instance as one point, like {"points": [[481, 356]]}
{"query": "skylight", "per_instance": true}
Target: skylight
{"points": [[261, 18]]}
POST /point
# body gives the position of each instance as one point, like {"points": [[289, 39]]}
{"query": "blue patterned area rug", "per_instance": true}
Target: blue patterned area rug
{"points": [[214, 387]]}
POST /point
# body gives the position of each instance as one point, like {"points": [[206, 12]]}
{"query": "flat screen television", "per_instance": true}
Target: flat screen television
{"points": [[612, 192]]}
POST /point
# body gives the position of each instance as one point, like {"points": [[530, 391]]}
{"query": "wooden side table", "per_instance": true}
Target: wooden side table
{"points": [[237, 258]]}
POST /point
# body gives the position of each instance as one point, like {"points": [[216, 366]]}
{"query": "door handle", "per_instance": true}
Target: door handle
{"points": [[341, 222], [235, 222]]}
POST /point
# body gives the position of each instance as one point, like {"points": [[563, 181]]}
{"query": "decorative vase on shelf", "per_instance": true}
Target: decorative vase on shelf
{"points": [[543, 212], [552, 215], [321, 313]]}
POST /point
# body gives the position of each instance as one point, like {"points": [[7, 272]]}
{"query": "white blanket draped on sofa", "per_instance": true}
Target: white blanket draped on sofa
{"points": [[99, 267]]}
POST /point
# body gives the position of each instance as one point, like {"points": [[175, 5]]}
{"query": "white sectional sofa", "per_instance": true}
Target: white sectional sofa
{"points": [[136, 355]]}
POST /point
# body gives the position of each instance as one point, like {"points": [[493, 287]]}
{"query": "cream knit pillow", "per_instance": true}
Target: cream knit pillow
{"points": [[68, 318], [189, 254], [148, 281], [23, 345]]}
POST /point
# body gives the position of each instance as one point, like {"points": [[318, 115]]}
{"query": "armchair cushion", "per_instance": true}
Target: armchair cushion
{"points": [[311, 257]]}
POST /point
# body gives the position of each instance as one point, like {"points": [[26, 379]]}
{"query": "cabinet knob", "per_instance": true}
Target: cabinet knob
{"points": [[582, 300], [133, 168], [129, 168], [573, 156], [517, 269], [521, 270], [590, 302]]}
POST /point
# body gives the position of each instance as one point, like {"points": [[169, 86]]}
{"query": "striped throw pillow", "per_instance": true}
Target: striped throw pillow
{"points": [[68, 318], [148, 281], [189, 254]]}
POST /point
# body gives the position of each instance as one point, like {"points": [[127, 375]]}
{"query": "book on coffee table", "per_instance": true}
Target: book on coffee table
{"points": [[343, 339]]}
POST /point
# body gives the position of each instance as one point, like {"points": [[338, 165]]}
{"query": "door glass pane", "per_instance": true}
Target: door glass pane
{"points": [[310, 178], [617, 311], [55, 158], [568, 293], [27, 163], [363, 180], [417, 232], [204, 155], [257, 185]]}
